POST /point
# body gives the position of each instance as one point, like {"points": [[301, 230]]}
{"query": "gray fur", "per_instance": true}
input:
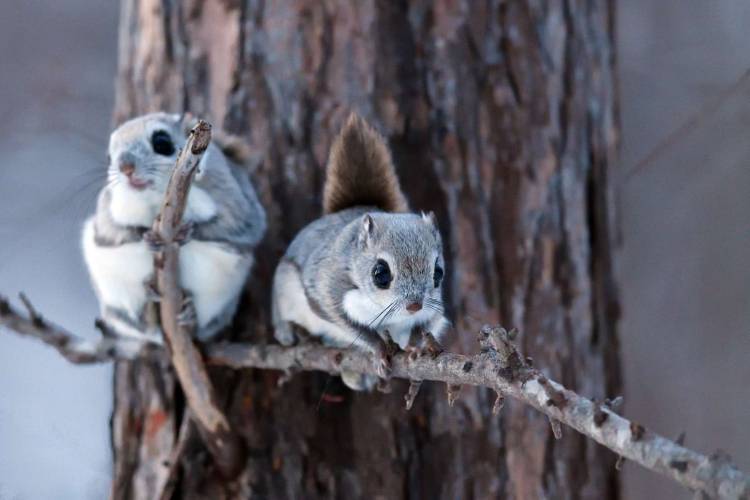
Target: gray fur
{"points": [[237, 223], [335, 258], [241, 220], [328, 271]]}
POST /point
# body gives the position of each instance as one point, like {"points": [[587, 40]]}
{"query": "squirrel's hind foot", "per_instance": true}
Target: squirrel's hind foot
{"points": [[284, 333]]}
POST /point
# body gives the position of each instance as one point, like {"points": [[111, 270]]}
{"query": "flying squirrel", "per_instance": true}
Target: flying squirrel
{"points": [[223, 215], [368, 271]]}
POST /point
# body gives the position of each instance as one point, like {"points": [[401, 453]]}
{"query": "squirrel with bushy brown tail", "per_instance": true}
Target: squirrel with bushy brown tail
{"points": [[368, 271]]}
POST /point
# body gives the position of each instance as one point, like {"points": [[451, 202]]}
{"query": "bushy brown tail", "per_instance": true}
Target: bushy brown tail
{"points": [[360, 171]]}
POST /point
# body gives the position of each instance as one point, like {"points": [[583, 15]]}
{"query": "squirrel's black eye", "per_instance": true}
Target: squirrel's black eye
{"points": [[162, 143], [438, 276], [381, 274]]}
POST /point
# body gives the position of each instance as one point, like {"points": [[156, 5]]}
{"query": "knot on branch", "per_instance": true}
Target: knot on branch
{"points": [[600, 416], [637, 431], [602, 411], [498, 343], [555, 397]]}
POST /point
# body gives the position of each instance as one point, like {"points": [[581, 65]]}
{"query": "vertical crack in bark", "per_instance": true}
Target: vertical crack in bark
{"points": [[567, 75], [166, 7], [507, 50], [184, 61]]}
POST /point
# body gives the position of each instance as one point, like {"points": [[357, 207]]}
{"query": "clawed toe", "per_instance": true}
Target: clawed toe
{"points": [[184, 233], [152, 293], [383, 366], [187, 316], [383, 385], [156, 243], [428, 346], [284, 334], [153, 240]]}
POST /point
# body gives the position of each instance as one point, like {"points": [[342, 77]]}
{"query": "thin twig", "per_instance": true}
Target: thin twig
{"points": [[186, 434], [497, 367], [75, 349], [224, 445]]}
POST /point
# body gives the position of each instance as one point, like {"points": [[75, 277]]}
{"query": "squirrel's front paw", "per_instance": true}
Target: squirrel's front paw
{"points": [[426, 346], [383, 365], [153, 240], [283, 332], [187, 317], [184, 233], [156, 243]]}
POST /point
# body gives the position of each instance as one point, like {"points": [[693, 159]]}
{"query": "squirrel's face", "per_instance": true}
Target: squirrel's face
{"points": [[400, 266], [143, 151]]}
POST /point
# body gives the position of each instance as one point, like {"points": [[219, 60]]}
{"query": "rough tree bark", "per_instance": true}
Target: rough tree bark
{"points": [[502, 119]]}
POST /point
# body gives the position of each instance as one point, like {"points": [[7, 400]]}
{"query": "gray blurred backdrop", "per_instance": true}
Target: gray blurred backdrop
{"points": [[683, 266]]}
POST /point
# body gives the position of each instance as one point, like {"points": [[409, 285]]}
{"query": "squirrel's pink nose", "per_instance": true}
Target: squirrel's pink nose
{"points": [[127, 169], [414, 307]]}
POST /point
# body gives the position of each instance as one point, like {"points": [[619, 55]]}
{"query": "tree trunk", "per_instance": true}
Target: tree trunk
{"points": [[502, 118]]}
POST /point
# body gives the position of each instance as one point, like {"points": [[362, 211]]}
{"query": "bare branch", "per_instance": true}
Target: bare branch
{"points": [[712, 475], [497, 367], [224, 445], [185, 435], [75, 349]]}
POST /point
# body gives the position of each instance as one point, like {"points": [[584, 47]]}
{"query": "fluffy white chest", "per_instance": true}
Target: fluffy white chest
{"points": [[139, 208], [399, 324]]}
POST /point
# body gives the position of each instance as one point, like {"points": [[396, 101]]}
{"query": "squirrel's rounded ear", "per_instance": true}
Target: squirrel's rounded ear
{"points": [[367, 230], [431, 220]]}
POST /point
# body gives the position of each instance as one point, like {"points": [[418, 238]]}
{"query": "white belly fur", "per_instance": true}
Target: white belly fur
{"points": [[119, 273], [213, 275]]}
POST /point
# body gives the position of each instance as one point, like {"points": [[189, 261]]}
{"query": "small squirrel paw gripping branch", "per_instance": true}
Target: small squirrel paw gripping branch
{"points": [[364, 282]]}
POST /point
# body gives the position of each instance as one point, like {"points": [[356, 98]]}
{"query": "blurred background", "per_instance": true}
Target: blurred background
{"points": [[683, 265]]}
